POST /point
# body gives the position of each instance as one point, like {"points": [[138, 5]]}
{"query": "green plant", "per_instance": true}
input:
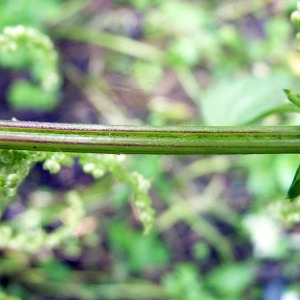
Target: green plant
{"points": [[187, 140], [26, 47], [183, 53]]}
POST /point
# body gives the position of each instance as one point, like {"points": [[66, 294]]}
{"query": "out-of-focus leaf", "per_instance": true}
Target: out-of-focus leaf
{"points": [[30, 12], [185, 282], [140, 252], [268, 176], [231, 280], [147, 75], [234, 101], [24, 95]]}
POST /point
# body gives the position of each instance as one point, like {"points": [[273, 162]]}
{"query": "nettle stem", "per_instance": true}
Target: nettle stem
{"points": [[183, 140]]}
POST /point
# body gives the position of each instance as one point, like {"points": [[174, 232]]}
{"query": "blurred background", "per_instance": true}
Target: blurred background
{"points": [[219, 231]]}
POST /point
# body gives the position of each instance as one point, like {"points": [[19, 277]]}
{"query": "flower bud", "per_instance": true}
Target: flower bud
{"points": [[12, 181], [295, 18], [52, 165]]}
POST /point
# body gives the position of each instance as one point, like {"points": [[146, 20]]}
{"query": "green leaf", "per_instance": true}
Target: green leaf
{"points": [[293, 97], [185, 282], [231, 280], [29, 12], [138, 251], [294, 190], [24, 95], [237, 100]]}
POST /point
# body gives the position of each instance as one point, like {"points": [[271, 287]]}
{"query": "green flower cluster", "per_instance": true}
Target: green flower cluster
{"points": [[14, 167], [286, 213], [295, 16], [295, 19], [26, 48], [45, 58], [27, 232], [98, 165]]}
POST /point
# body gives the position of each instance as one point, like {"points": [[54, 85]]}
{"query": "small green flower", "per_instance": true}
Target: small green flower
{"points": [[295, 18]]}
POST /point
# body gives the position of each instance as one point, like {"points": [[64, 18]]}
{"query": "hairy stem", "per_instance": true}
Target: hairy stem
{"points": [[148, 140]]}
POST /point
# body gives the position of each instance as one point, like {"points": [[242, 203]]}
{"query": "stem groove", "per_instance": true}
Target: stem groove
{"points": [[183, 140]]}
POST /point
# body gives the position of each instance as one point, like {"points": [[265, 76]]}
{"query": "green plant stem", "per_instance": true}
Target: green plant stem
{"points": [[110, 41], [148, 140]]}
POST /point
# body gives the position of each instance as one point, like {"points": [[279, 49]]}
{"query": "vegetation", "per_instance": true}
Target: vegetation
{"points": [[71, 224]]}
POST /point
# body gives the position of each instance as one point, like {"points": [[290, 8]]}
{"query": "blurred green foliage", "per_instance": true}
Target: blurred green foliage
{"points": [[154, 62], [29, 12], [25, 47]]}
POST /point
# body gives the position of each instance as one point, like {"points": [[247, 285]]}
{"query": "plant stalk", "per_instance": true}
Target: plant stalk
{"points": [[183, 140]]}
